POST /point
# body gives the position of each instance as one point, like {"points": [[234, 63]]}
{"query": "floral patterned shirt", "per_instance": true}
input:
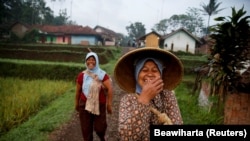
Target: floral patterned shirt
{"points": [[135, 118]]}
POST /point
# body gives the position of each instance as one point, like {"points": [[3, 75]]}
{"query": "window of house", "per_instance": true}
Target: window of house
{"points": [[166, 45], [172, 46], [187, 48]]}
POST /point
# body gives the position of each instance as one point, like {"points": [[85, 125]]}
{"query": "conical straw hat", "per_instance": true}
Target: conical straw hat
{"points": [[124, 72]]}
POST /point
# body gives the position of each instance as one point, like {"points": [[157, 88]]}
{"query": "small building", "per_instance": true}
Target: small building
{"points": [[19, 29], [67, 34], [109, 37], [152, 39], [181, 40]]}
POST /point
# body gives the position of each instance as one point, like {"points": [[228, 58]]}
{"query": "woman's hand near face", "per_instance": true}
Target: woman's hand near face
{"points": [[150, 89], [149, 79]]}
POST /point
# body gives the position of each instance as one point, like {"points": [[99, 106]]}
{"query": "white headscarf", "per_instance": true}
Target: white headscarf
{"points": [[87, 80]]}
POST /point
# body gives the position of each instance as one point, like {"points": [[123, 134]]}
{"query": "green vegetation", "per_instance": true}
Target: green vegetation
{"points": [[191, 111], [229, 55], [39, 125], [20, 98], [51, 98]]}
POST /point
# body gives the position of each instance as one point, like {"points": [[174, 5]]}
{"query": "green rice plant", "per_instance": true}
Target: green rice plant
{"points": [[39, 126], [22, 98]]}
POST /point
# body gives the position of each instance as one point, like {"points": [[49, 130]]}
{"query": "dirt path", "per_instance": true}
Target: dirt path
{"points": [[71, 131]]}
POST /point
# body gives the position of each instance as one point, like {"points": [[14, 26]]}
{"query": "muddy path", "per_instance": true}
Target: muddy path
{"points": [[71, 131]]}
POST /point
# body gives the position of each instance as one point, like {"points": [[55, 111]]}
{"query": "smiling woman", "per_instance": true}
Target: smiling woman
{"points": [[148, 75], [93, 97]]}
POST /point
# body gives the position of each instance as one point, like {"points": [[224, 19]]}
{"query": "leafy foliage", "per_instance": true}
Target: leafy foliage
{"points": [[192, 21], [31, 12], [230, 52], [136, 30], [212, 8]]}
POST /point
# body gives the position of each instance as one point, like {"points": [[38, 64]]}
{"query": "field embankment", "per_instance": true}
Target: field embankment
{"points": [[54, 53]]}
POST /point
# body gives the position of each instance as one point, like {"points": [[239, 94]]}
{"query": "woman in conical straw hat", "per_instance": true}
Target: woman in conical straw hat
{"points": [[149, 75]]}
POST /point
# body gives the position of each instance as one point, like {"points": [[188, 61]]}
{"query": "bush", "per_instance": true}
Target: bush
{"points": [[39, 71]]}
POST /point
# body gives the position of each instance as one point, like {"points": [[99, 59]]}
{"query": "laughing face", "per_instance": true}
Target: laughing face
{"points": [[148, 72], [91, 62]]}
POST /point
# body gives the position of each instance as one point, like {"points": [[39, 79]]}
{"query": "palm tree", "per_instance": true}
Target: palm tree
{"points": [[210, 9]]}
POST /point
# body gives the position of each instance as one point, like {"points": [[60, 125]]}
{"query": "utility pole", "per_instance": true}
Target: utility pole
{"points": [[71, 10]]}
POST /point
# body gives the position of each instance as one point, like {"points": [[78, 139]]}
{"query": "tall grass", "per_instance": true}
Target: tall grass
{"points": [[192, 113], [39, 126], [22, 98]]}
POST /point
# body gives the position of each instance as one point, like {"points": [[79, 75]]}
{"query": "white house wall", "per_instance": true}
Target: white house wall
{"points": [[78, 39], [99, 30], [180, 41]]}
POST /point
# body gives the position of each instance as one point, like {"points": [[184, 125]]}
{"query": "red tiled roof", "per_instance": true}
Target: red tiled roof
{"points": [[66, 29]]}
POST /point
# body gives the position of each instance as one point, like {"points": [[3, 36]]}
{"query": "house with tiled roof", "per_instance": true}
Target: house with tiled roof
{"points": [[181, 40], [67, 34], [17, 28], [110, 38], [20, 29]]}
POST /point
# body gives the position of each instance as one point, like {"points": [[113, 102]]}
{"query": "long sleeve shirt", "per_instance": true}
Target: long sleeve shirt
{"points": [[135, 118]]}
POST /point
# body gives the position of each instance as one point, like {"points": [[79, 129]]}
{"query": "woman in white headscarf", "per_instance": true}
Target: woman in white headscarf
{"points": [[93, 98]]}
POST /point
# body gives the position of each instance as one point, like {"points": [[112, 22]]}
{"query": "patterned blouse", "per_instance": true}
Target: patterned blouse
{"points": [[135, 118]]}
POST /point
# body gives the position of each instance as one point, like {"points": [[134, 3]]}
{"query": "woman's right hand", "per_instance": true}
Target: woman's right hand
{"points": [[150, 89], [77, 107]]}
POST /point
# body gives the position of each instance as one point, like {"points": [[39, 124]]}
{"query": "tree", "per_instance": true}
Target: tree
{"points": [[136, 30], [229, 53], [195, 26], [62, 18], [192, 21], [31, 12], [47, 16], [10, 10], [210, 9], [161, 27]]}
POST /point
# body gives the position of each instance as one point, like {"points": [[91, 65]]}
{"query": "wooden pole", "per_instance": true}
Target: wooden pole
{"points": [[89, 49]]}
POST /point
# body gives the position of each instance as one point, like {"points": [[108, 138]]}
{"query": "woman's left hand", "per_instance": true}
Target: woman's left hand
{"points": [[109, 109]]}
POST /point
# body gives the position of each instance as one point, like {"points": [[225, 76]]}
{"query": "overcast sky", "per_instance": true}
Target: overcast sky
{"points": [[117, 14]]}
